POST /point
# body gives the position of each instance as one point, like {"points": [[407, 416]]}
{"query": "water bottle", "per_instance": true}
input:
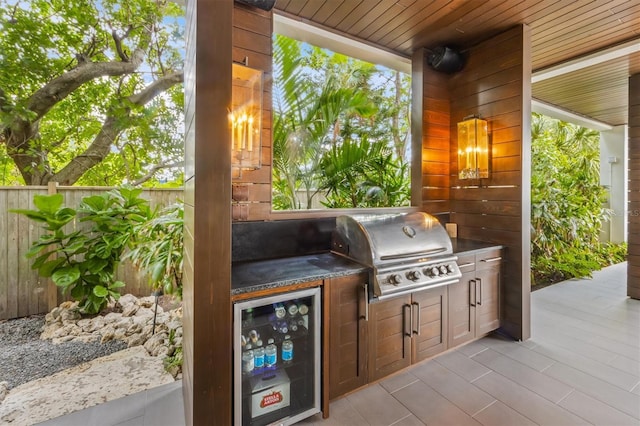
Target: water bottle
{"points": [[270, 354], [287, 350], [247, 360], [258, 358]]}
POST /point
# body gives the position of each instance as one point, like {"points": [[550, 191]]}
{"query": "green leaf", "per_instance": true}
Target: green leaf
{"points": [[66, 276], [95, 265], [48, 203], [41, 259], [47, 268], [117, 284], [100, 291], [78, 292]]}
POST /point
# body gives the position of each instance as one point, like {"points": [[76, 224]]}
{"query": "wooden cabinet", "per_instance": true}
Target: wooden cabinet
{"points": [[474, 302], [347, 333], [406, 329]]}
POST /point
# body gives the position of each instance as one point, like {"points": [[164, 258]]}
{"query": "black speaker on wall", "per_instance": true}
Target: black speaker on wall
{"points": [[446, 60], [260, 4]]}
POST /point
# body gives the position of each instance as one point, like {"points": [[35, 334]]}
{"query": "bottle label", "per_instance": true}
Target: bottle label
{"points": [[258, 361], [270, 359], [287, 354]]}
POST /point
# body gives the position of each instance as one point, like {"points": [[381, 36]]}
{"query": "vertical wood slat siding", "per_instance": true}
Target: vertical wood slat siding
{"points": [[252, 30], [497, 209], [633, 237], [436, 135], [22, 291]]}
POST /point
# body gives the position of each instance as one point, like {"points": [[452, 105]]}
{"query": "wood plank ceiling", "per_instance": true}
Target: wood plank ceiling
{"points": [[562, 30]]}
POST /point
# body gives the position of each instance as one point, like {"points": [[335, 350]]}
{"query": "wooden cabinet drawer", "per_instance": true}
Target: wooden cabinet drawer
{"points": [[488, 259], [467, 263]]}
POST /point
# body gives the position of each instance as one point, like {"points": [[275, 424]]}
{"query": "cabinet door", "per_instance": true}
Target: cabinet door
{"points": [[348, 334], [487, 300], [389, 336], [429, 323], [462, 316]]}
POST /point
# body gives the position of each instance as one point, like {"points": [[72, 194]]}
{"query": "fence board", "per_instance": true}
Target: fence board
{"points": [[22, 291]]}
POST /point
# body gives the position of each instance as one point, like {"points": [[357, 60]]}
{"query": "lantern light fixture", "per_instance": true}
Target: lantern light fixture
{"points": [[473, 148], [245, 117]]}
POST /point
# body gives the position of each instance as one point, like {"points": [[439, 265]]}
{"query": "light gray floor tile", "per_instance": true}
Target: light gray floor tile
{"points": [[472, 348], [526, 402], [498, 414], [622, 400], [625, 364], [430, 407], [454, 388], [520, 353], [137, 421], [596, 412], [398, 381], [410, 420], [377, 406], [535, 381], [119, 410], [78, 418], [462, 365], [165, 407]]}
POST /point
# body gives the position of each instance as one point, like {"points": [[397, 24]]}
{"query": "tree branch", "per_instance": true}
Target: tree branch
{"points": [[153, 171], [60, 87], [111, 129]]}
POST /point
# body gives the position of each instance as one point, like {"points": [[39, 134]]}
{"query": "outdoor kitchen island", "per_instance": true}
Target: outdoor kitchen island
{"points": [[364, 340]]}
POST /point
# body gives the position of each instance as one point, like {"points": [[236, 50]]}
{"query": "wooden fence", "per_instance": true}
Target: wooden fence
{"points": [[22, 291]]}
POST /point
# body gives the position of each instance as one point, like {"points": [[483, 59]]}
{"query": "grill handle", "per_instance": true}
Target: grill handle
{"points": [[413, 254], [415, 289]]}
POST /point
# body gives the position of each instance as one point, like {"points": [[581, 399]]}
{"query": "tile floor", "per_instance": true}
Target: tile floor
{"points": [[581, 366]]}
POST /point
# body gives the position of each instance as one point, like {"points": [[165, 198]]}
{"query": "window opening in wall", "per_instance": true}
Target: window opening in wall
{"points": [[341, 130]]}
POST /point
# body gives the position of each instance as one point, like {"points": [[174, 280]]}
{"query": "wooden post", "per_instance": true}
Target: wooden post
{"points": [[52, 289]]}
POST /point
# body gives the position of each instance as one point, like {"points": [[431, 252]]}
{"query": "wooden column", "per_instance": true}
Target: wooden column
{"points": [[633, 237], [207, 320], [495, 83]]}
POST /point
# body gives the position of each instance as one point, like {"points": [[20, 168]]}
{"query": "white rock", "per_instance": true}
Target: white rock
{"points": [[111, 317], [4, 390], [127, 299], [130, 310]]}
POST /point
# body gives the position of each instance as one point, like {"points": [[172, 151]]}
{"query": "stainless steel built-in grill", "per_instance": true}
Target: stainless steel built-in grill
{"points": [[407, 251]]}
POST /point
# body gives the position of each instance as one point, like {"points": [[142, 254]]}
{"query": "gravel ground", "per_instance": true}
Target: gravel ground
{"points": [[24, 357]]}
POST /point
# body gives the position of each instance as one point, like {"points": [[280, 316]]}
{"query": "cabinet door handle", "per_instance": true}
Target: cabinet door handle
{"points": [[479, 280], [472, 286], [365, 287], [416, 329], [464, 265], [407, 317], [492, 259]]}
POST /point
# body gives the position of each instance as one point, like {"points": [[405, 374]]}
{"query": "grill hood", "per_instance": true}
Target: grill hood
{"points": [[377, 240]]}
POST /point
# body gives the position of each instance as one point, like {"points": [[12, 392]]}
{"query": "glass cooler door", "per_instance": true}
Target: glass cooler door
{"points": [[277, 358]]}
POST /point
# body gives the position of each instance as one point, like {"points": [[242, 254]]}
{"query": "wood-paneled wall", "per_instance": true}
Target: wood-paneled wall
{"points": [[633, 265], [436, 136], [252, 30], [495, 84], [207, 317]]}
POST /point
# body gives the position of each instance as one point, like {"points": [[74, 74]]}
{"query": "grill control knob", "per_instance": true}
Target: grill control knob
{"points": [[413, 275], [434, 271], [443, 269], [395, 279], [449, 269]]}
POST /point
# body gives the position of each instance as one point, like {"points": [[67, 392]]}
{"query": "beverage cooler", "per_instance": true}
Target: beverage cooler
{"points": [[277, 358]]}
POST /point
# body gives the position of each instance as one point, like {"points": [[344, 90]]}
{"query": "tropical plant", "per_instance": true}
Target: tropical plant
{"points": [[363, 174], [83, 262], [159, 247], [90, 91], [322, 101], [566, 202]]}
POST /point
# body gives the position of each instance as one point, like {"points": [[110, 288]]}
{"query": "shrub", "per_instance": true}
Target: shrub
{"points": [[158, 249], [83, 262]]}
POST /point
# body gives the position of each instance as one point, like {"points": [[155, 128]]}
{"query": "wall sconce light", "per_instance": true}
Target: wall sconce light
{"points": [[245, 118], [473, 148]]}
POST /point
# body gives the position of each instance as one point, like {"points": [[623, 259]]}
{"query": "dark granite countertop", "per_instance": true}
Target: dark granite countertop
{"points": [[250, 276], [462, 246], [247, 277]]}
